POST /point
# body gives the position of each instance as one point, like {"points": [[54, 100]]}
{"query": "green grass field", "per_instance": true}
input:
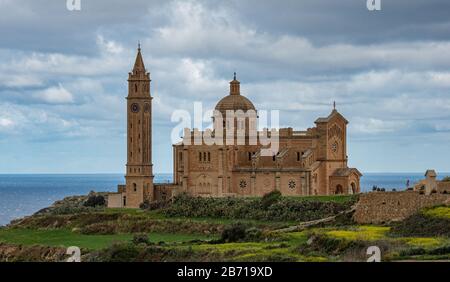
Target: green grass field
{"points": [[66, 238]]}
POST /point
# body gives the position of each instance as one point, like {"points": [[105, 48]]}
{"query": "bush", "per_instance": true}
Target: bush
{"points": [[234, 233], [280, 208], [444, 250], [446, 179], [155, 205], [140, 238], [102, 228], [270, 199], [119, 252], [323, 244], [95, 201], [239, 232], [420, 225], [253, 234]]}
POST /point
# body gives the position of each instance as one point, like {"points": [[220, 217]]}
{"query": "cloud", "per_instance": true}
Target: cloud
{"points": [[6, 123], [66, 80], [109, 46], [376, 126], [55, 95]]}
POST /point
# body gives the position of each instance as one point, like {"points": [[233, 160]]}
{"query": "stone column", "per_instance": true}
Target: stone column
{"points": [[303, 184], [253, 183], [277, 181], [221, 172]]}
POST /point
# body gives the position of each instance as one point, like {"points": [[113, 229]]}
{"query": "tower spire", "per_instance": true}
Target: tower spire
{"points": [[139, 63]]}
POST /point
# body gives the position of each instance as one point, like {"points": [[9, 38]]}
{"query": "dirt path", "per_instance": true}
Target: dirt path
{"points": [[307, 224]]}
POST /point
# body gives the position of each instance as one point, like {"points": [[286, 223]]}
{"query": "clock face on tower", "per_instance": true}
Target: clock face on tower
{"points": [[135, 108]]}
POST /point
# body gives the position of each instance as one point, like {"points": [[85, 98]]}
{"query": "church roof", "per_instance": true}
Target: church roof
{"points": [[234, 101], [139, 63], [346, 171], [329, 117], [431, 173]]}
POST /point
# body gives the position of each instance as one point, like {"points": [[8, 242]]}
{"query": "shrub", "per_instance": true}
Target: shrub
{"points": [[140, 238], [146, 205], [119, 252], [95, 201], [283, 209], [239, 232], [444, 250], [102, 228], [270, 198], [420, 225], [234, 233], [446, 179], [412, 252], [323, 244], [253, 234]]}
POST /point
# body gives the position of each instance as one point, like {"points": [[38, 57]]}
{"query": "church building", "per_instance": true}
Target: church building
{"points": [[310, 162]]}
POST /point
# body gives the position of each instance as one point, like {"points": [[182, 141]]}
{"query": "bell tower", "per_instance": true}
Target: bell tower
{"points": [[139, 174]]}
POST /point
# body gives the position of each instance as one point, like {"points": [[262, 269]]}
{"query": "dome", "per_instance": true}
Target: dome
{"points": [[234, 101]]}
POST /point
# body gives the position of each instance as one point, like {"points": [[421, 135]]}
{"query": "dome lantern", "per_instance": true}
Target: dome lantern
{"points": [[235, 86]]}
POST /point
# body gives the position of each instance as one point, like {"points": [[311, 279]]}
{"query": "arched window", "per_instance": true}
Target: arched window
{"points": [[134, 187], [135, 88], [200, 156], [209, 156], [204, 156]]}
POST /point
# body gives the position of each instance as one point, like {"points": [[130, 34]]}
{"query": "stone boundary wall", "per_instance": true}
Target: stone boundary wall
{"points": [[164, 191], [382, 207], [443, 186]]}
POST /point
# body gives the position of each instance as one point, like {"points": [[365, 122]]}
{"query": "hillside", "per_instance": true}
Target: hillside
{"points": [[227, 229]]}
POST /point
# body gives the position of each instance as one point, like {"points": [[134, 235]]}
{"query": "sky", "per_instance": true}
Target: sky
{"points": [[63, 75]]}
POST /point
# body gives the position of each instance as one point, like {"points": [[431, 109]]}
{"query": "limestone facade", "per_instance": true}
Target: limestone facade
{"points": [[310, 162]]}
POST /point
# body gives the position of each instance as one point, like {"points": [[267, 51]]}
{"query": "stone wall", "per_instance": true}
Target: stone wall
{"points": [[443, 187], [165, 191], [115, 200], [381, 207]]}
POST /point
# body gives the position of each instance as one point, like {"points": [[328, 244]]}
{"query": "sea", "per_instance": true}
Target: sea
{"points": [[25, 194]]}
